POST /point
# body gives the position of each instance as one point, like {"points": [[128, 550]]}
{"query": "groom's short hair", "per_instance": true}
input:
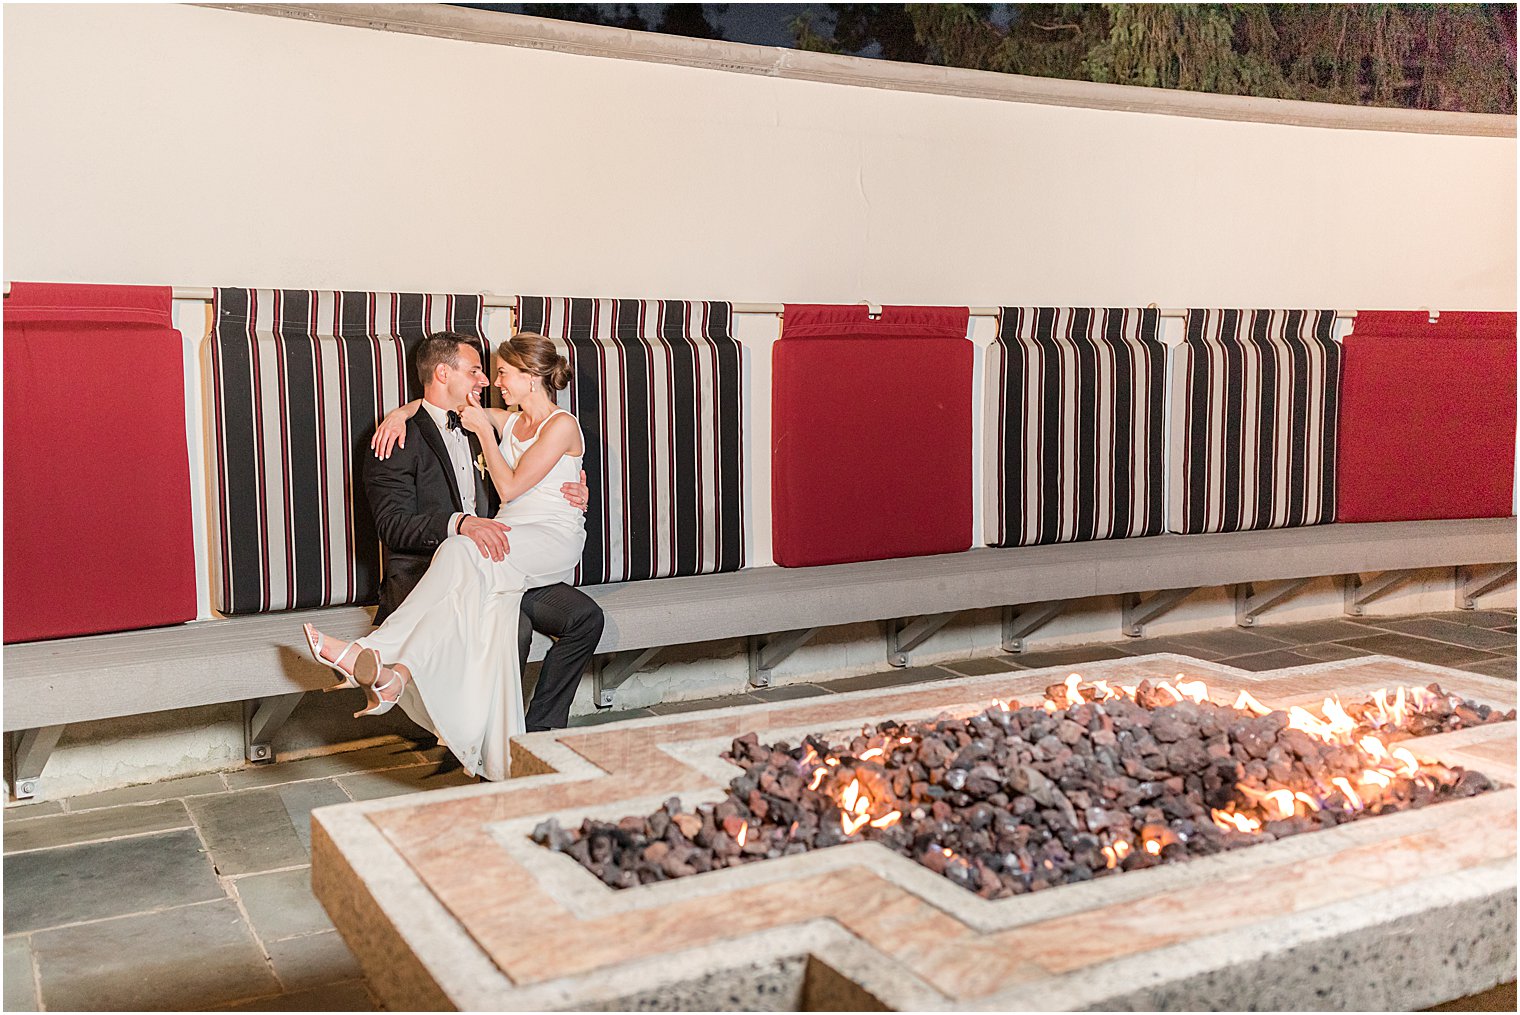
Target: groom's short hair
{"points": [[439, 347]]}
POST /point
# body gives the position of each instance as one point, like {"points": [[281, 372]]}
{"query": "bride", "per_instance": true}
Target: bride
{"points": [[449, 653]]}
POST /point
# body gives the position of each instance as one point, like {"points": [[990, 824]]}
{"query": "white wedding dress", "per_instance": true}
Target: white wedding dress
{"points": [[457, 630]]}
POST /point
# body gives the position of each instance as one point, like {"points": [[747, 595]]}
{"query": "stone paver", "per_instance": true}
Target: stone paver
{"points": [[265, 829], [414, 779], [20, 985], [169, 789], [315, 960], [600, 717], [1314, 631], [1180, 644], [135, 865], [982, 666], [891, 678], [1454, 633], [1276, 659], [701, 704], [27, 809], [197, 957], [1239, 641], [1478, 618], [368, 760], [52, 887], [789, 692], [280, 904], [337, 997], [92, 826], [1422, 650], [1330, 651], [1073, 656], [1501, 667]]}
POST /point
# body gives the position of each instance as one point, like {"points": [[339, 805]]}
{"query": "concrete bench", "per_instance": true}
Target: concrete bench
{"points": [[261, 660]]}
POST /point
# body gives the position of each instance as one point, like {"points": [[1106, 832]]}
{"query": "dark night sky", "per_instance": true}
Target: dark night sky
{"points": [[759, 24]]}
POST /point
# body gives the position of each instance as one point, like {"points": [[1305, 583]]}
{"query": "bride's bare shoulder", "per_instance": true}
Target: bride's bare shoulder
{"points": [[566, 429]]}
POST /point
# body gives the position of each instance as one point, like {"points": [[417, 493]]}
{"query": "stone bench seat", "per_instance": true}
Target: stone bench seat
{"points": [[262, 661]]}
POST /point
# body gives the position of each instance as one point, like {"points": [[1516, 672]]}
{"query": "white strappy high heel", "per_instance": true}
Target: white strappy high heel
{"points": [[376, 678], [315, 640]]}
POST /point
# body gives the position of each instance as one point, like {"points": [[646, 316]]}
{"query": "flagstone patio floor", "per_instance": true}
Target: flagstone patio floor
{"points": [[194, 894]]}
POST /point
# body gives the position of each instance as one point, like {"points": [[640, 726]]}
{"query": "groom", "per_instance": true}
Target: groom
{"points": [[429, 489]]}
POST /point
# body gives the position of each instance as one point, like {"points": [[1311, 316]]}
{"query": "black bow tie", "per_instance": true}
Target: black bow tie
{"points": [[454, 422]]}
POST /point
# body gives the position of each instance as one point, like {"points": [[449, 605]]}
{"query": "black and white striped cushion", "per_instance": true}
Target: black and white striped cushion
{"points": [[659, 396], [299, 379], [1075, 426], [1256, 394]]}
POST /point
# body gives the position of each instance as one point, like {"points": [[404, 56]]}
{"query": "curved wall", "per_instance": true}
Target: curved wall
{"points": [[176, 144]]}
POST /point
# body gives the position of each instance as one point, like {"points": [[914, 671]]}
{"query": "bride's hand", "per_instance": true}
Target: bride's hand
{"points": [[391, 433], [476, 420]]}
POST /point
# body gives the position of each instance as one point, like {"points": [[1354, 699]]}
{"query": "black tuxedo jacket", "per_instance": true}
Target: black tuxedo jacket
{"points": [[412, 496]]}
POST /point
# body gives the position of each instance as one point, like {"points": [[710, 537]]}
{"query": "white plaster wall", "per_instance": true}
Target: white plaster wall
{"points": [[173, 144], [179, 145]]}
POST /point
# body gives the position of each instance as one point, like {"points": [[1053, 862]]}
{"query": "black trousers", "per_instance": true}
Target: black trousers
{"points": [[574, 621]]}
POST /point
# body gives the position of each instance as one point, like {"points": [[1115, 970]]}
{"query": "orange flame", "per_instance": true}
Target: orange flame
{"points": [[874, 752], [1344, 785], [1284, 801], [1406, 757], [1246, 703], [1196, 690], [743, 834], [887, 820], [1231, 820]]}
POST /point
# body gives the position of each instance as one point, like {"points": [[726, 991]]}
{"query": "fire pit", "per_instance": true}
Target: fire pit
{"points": [[448, 902], [1092, 781]]}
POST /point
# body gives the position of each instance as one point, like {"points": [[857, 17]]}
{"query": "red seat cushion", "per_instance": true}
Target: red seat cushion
{"points": [[1427, 424], [870, 434], [97, 473], [1449, 324]]}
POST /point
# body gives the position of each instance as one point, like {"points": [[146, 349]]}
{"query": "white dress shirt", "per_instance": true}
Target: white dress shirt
{"points": [[458, 444]]}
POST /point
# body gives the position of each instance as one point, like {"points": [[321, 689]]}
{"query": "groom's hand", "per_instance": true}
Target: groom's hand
{"points": [[488, 535], [577, 493]]}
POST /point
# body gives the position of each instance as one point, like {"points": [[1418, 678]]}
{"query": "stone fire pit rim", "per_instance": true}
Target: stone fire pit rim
{"points": [[588, 898]]}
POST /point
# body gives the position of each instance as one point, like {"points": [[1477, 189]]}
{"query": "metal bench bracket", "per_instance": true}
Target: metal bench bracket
{"points": [[1020, 622], [1356, 594], [767, 655], [1471, 586], [1139, 612], [1250, 604], [262, 717], [30, 750], [617, 668], [903, 636]]}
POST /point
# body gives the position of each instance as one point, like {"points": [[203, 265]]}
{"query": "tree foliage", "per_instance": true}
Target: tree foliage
{"points": [[1420, 56]]}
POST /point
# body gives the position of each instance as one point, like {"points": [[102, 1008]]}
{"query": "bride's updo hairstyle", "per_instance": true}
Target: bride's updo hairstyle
{"points": [[534, 354]]}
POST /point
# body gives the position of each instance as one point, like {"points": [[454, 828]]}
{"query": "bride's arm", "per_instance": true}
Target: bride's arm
{"points": [[557, 437], [392, 429]]}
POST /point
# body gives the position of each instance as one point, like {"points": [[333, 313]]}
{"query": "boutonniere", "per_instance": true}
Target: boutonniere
{"points": [[480, 464]]}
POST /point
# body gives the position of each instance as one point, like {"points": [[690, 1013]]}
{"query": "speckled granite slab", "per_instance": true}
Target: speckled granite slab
{"points": [[447, 904]]}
